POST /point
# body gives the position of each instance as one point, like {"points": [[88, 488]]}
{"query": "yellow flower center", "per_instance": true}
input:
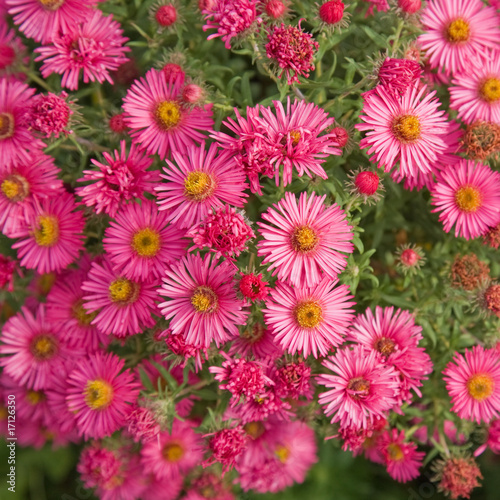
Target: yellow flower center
{"points": [[295, 135], [15, 187], [47, 232], [52, 4], [395, 452], [98, 394], [254, 429], [123, 291], [6, 125], [168, 114], [35, 397], [358, 388], [304, 239], [308, 314], [468, 199], [490, 90], [480, 386], [83, 317], [204, 300], [146, 242], [44, 346], [385, 346], [406, 128], [198, 186], [173, 452], [458, 31], [282, 453]]}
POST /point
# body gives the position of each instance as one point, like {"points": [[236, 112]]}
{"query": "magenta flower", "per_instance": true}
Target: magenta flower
{"points": [[52, 235], [475, 92], [256, 340], [225, 446], [202, 302], [50, 114], [309, 320], [473, 383], [94, 47], [399, 74], [157, 119], [197, 182], [35, 349], [123, 306], [122, 179], [405, 129], [455, 31], [362, 390], [305, 239], [44, 20], [99, 395], [12, 53], [141, 243], [469, 197]]}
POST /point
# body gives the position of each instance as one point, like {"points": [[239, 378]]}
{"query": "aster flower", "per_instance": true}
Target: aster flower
{"points": [[157, 119], [362, 388], [209, 487], [491, 299], [304, 240], [399, 75], [332, 15], [123, 178], [231, 19], [406, 129], [224, 231], [402, 460], [365, 185], [492, 236], [142, 425], [197, 182], [123, 306], [468, 272], [473, 382], [475, 92], [481, 140], [52, 235], [252, 287], [395, 336], [309, 320], [35, 349], [225, 446], [99, 394], [454, 31], [380, 5], [44, 20], [7, 268], [295, 380], [468, 196], [94, 47], [65, 309], [50, 114], [202, 303], [457, 476], [16, 142], [255, 340], [98, 465], [296, 138], [164, 14], [20, 183], [177, 344], [410, 258], [175, 453], [12, 53], [141, 243], [167, 488], [291, 50]]}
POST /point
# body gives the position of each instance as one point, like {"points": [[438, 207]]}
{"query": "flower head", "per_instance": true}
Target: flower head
{"points": [[457, 476], [50, 114], [226, 445], [468, 272], [481, 140]]}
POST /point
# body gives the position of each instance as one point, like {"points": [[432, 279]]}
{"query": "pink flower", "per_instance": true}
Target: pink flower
{"points": [[292, 51], [473, 383], [295, 138], [405, 129], [231, 18], [141, 243], [44, 20], [305, 239], [224, 231], [99, 395], [142, 425], [455, 31], [177, 344], [295, 380], [309, 320], [94, 47], [395, 336], [402, 459], [156, 118], [362, 388], [208, 486], [468, 196], [198, 182], [35, 349], [175, 453], [475, 92], [20, 183], [16, 142], [167, 488], [7, 269], [123, 179], [399, 74], [203, 304], [255, 340], [52, 235], [380, 5], [366, 185], [50, 114], [98, 465], [253, 287], [226, 445], [12, 53], [123, 306]]}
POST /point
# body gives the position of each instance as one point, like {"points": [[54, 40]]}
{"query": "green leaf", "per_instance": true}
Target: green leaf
{"points": [[146, 381], [167, 376]]}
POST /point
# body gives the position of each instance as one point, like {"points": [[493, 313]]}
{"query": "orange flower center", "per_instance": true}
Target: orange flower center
{"points": [[304, 239], [395, 452], [52, 4], [308, 314], [173, 452], [385, 345], [468, 199], [47, 232], [7, 123], [406, 128], [480, 386], [168, 114], [198, 186], [15, 188], [282, 453], [204, 300], [98, 394], [254, 429], [458, 31], [358, 388], [44, 346], [490, 90]]}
